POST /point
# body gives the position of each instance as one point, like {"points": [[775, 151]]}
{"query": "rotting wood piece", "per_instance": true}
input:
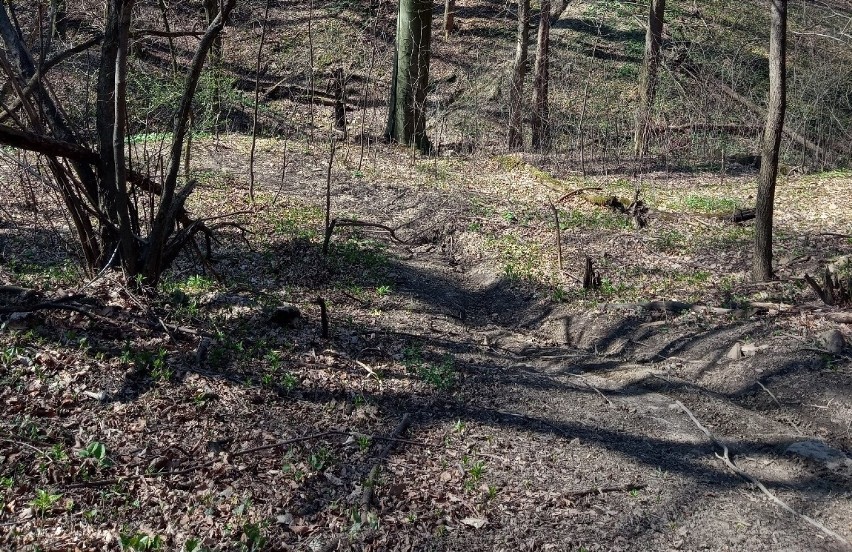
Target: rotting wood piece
{"points": [[834, 290], [591, 279]]}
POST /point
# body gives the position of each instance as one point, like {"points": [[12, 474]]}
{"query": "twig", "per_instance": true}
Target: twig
{"points": [[730, 464], [593, 388], [558, 232], [770, 394], [369, 370], [601, 490], [313, 436], [353, 222]]}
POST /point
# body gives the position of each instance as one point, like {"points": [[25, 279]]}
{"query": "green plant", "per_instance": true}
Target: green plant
{"points": [[320, 459], [597, 219], [44, 501], [298, 222], [441, 375], [160, 370], [559, 294], [96, 451], [710, 205], [459, 426], [198, 283], [363, 442], [139, 542], [366, 253], [193, 545], [274, 359], [492, 492], [359, 521], [288, 381], [670, 241], [383, 291], [474, 471], [252, 537], [57, 453], [9, 355]]}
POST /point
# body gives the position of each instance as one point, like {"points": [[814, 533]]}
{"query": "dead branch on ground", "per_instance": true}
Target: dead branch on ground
{"points": [[372, 478], [725, 458]]}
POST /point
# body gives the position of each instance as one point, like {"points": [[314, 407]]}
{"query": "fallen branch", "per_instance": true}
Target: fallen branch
{"points": [[372, 478], [730, 464], [352, 222], [593, 388], [576, 192], [243, 452]]}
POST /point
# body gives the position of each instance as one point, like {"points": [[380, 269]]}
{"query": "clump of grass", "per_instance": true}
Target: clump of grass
{"points": [[441, 375], [509, 162], [591, 220], [710, 205], [670, 241], [298, 222]]}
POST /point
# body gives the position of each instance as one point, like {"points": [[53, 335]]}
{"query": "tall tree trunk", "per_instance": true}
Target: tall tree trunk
{"points": [[129, 254], [541, 115], [407, 105], [648, 77], [762, 267], [158, 254], [211, 10], [105, 126], [519, 72], [449, 17]]}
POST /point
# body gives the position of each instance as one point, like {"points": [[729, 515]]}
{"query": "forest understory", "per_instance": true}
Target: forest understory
{"points": [[490, 349], [501, 405]]}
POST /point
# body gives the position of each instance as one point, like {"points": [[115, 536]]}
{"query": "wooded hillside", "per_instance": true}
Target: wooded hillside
{"points": [[366, 275]]}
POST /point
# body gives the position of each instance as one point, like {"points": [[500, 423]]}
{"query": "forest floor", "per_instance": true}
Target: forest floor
{"points": [[471, 396]]}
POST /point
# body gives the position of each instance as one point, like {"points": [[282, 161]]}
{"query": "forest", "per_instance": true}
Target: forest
{"points": [[509, 275]]}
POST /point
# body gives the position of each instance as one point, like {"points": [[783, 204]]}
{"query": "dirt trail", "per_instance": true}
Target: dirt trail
{"points": [[556, 420], [561, 404]]}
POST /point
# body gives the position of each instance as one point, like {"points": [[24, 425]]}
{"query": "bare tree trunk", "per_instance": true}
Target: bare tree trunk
{"points": [[129, 252], [171, 201], [256, 102], [541, 114], [211, 9], [165, 13], [338, 90], [407, 106], [449, 17], [648, 77], [519, 72], [762, 267]]}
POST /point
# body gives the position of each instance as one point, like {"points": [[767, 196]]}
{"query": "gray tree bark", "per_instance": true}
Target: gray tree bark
{"points": [[541, 139], [765, 202], [519, 72], [407, 104], [648, 77]]}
